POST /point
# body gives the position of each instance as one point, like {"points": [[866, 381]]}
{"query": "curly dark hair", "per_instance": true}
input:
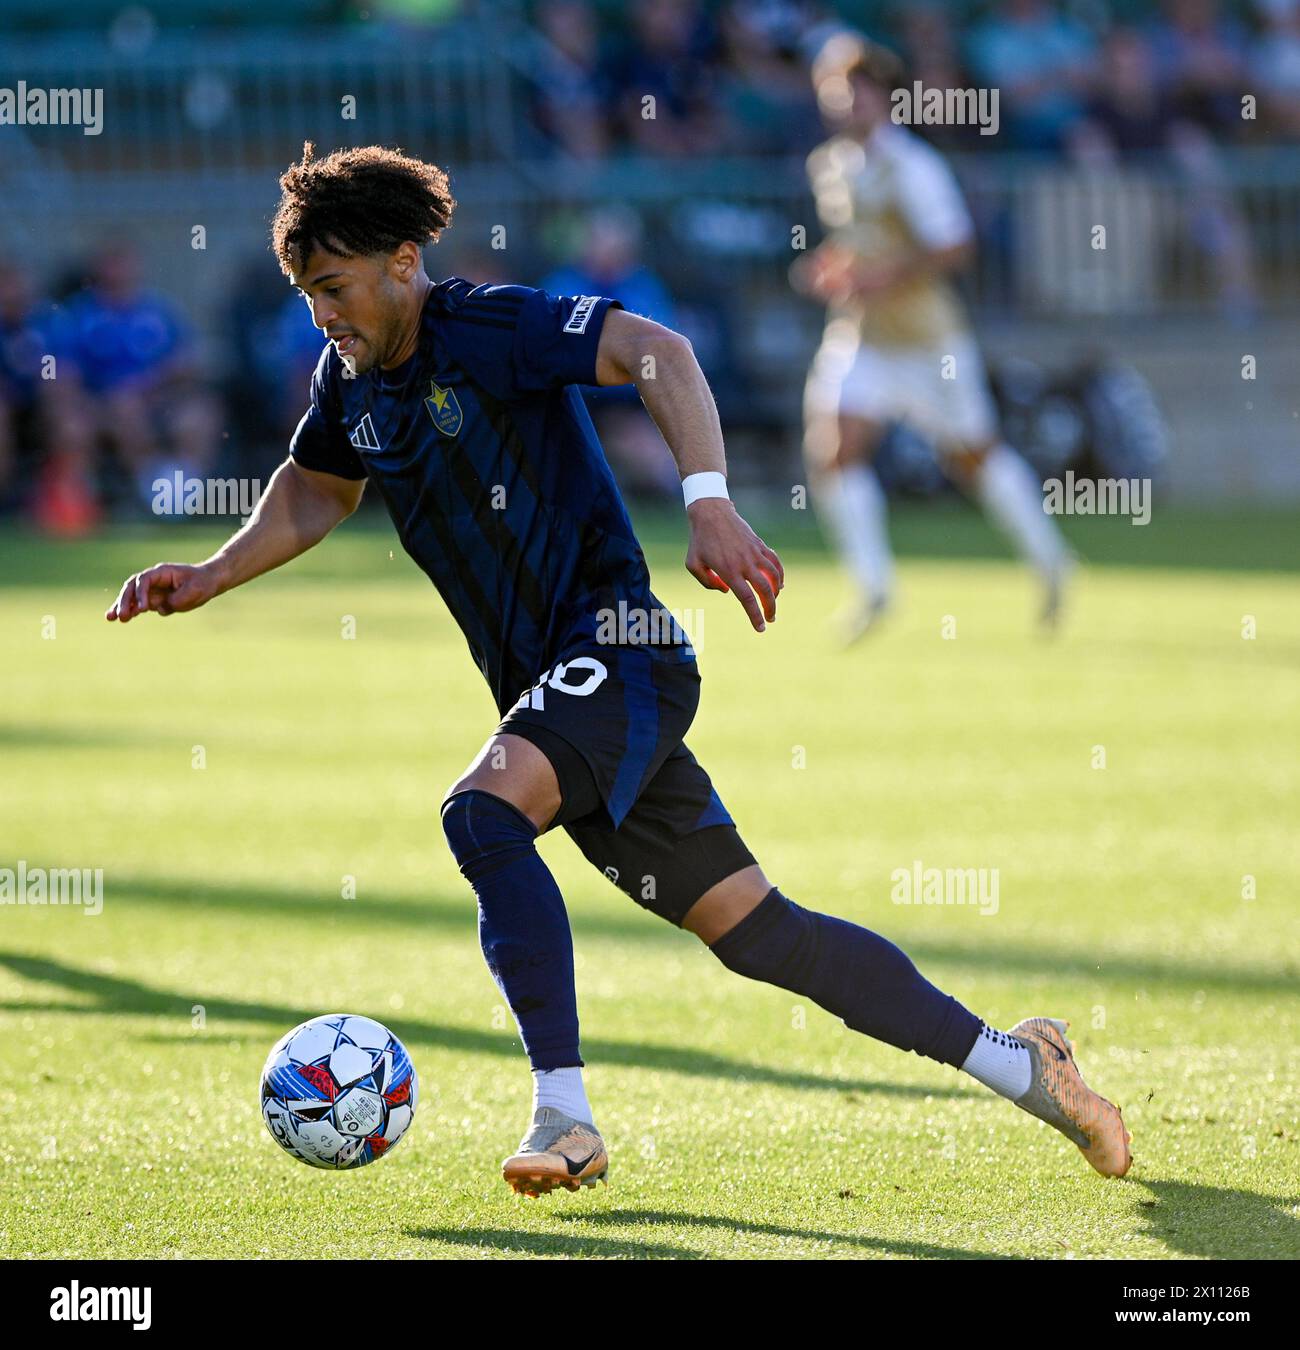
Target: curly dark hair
{"points": [[367, 200]]}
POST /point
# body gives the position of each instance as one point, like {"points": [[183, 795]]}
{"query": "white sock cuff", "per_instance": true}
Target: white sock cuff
{"points": [[564, 1090], [1000, 1062]]}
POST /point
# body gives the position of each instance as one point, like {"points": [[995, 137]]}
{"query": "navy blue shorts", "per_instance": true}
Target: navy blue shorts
{"points": [[611, 720]]}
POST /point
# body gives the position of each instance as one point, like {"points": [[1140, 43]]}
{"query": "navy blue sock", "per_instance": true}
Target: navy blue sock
{"points": [[851, 972], [523, 926]]}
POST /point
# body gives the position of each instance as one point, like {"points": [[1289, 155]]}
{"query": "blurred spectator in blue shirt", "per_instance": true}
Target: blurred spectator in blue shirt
{"points": [[768, 101], [1200, 61], [1275, 66], [1041, 63], [128, 376], [41, 469], [290, 345], [1131, 114], [609, 263], [116, 334], [667, 79], [572, 91]]}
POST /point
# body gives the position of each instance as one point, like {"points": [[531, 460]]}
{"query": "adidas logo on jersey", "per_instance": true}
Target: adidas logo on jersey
{"points": [[363, 435]]}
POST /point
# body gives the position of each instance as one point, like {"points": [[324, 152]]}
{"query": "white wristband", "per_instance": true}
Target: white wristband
{"points": [[711, 484]]}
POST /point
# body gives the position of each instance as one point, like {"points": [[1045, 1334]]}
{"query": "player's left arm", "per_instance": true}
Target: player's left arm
{"points": [[833, 272], [724, 553], [918, 264]]}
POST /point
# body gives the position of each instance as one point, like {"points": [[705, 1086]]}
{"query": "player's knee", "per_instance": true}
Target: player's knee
{"points": [[845, 457], [483, 831], [832, 445], [772, 942], [725, 903], [856, 442], [840, 454]]}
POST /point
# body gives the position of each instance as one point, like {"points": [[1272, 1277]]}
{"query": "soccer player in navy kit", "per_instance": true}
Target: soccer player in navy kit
{"points": [[459, 403]]}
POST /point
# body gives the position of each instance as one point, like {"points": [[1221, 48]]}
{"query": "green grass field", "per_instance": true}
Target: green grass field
{"points": [[740, 1122]]}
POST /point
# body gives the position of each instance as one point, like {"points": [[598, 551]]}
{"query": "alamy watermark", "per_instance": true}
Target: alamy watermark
{"points": [[635, 626], [23, 885], [179, 495], [26, 107], [76, 1302], [1073, 496], [921, 885], [919, 106]]}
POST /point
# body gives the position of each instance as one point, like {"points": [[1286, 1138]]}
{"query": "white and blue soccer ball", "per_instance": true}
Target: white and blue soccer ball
{"points": [[338, 1091]]}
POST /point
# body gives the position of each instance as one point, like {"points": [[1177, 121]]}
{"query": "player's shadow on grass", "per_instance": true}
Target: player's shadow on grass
{"points": [[459, 916], [512, 1240], [1085, 963], [919, 1249], [16, 737], [422, 911], [114, 994], [557, 1244], [1216, 1222]]}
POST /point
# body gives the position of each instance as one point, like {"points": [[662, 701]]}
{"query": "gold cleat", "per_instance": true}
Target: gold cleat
{"points": [[556, 1151], [1058, 1095]]}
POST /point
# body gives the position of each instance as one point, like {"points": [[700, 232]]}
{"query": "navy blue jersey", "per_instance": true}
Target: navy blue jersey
{"points": [[484, 454]]}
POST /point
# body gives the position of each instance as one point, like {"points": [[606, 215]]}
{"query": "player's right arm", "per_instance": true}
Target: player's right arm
{"points": [[319, 485], [298, 509]]}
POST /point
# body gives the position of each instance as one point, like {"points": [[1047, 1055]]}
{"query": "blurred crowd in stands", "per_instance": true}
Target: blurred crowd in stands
{"points": [[101, 387], [103, 394], [731, 77], [99, 384]]}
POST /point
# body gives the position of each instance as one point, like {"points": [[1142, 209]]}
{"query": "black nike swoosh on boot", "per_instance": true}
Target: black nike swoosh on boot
{"points": [[576, 1167]]}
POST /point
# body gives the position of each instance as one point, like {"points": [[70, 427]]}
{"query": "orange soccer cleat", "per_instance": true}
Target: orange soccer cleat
{"points": [[1058, 1095], [556, 1151]]}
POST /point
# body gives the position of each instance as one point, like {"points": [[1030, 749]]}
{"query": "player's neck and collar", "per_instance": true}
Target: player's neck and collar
{"points": [[855, 145], [883, 134], [393, 374]]}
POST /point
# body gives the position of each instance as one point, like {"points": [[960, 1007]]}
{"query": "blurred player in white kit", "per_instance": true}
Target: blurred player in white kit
{"points": [[898, 345]]}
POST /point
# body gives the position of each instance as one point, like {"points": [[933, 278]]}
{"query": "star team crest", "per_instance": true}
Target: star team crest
{"points": [[444, 408]]}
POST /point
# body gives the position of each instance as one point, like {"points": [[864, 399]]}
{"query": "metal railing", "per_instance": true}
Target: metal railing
{"points": [[213, 104]]}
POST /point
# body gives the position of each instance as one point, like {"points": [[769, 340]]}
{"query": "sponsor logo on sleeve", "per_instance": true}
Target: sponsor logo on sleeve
{"points": [[581, 315]]}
